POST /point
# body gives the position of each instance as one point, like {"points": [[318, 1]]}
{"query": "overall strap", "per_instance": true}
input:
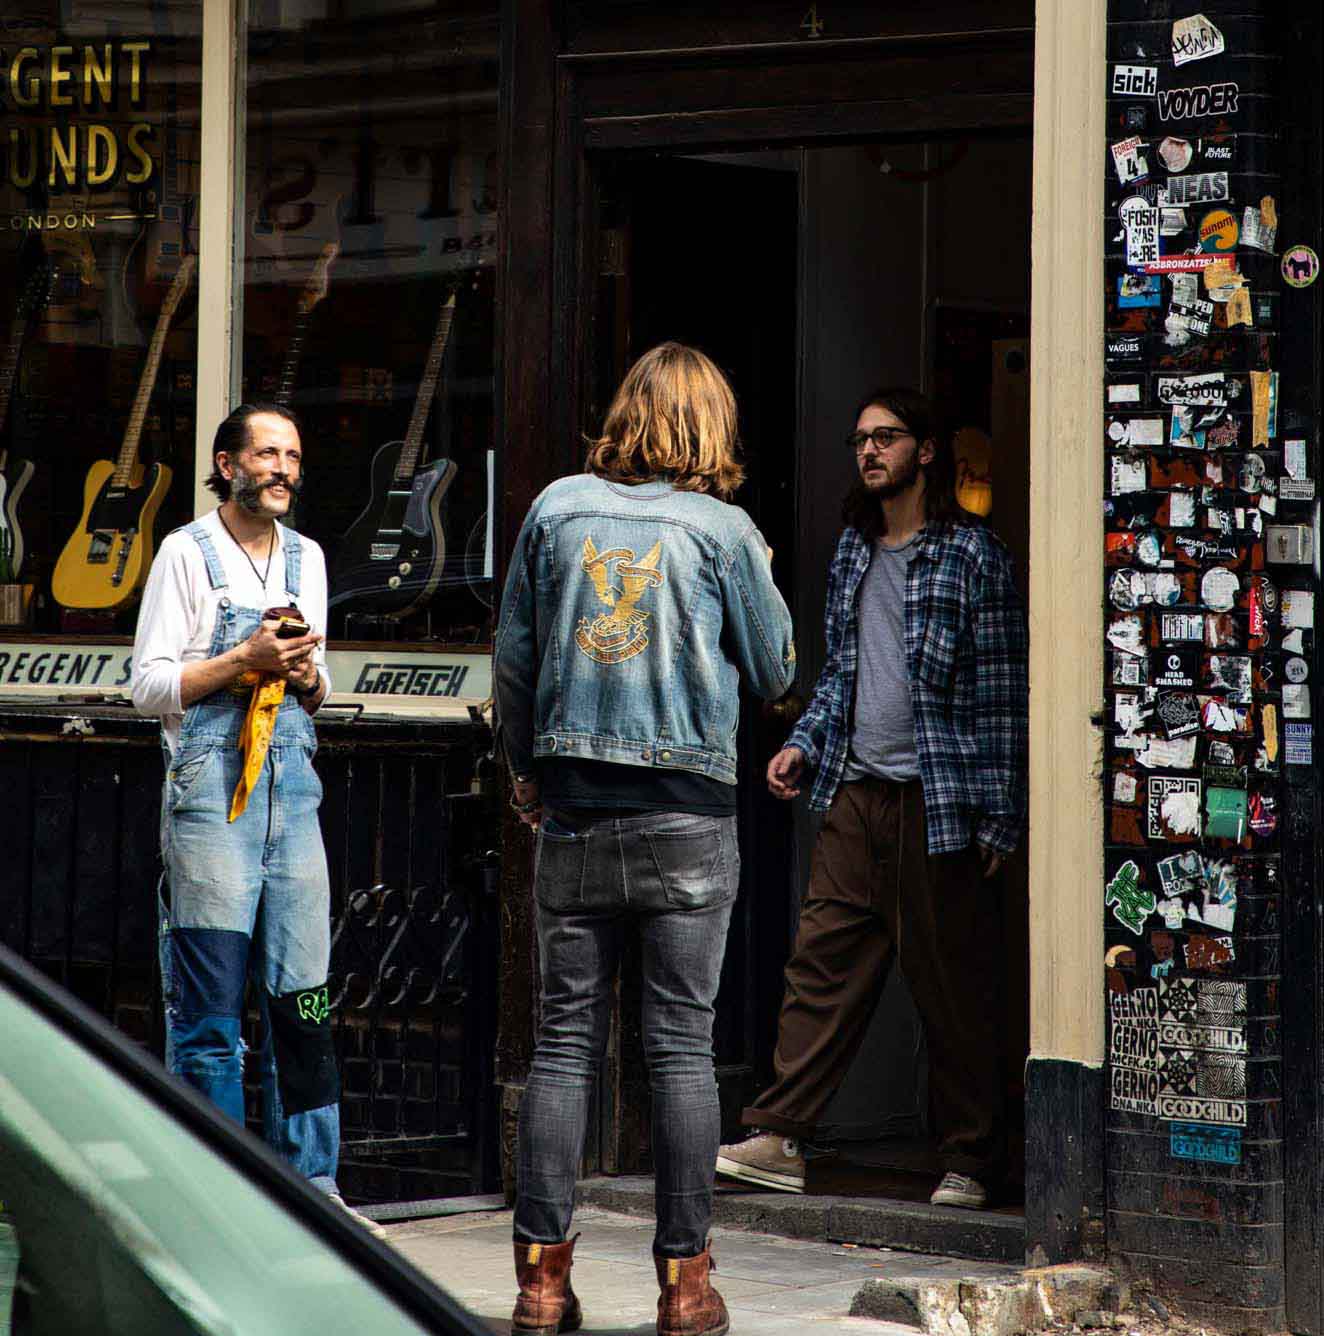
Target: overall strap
{"points": [[293, 564], [215, 571]]}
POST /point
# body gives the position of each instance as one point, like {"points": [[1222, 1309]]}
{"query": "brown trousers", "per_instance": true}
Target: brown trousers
{"points": [[875, 894]]}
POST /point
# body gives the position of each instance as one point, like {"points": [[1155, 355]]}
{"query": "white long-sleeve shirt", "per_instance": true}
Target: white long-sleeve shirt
{"points": [[178, 613]]}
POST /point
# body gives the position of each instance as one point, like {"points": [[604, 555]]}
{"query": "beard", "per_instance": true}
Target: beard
{"points": [[899, 478], [246, 491]]}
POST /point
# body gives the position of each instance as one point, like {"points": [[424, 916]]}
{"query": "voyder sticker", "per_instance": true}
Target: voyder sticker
{"points": [[1198, 1141], [1180, 104]]}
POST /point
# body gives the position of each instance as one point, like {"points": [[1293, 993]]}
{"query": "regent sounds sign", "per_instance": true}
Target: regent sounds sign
{"points": [[398, 674], [63, 111]]}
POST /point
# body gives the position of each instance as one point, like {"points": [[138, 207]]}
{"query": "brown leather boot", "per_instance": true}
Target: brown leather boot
{"points": [[688, 1304], [546, 1303]]}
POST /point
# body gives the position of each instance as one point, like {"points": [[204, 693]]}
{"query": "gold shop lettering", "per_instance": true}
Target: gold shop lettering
{"points": [[54, 84]]}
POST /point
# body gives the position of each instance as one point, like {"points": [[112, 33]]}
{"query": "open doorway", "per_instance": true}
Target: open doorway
{"points": [[812, 275]]}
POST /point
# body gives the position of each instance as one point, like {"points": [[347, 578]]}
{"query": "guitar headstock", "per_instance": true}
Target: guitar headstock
{"points": [[39, 289], [319, 281]]}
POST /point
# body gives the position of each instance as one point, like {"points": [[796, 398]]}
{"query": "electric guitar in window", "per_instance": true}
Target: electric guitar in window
{"points": [[103, 566], [15, 473], [314, 290], [390, 561]]}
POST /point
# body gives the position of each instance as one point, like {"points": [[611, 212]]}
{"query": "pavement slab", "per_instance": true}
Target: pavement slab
{"points": [[772, 1286]]}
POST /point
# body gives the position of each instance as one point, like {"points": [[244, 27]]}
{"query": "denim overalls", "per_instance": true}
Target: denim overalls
{"points": [[250, 895]]}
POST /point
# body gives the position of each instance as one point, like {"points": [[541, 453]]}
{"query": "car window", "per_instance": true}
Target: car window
{"points": [[116, 1219]]}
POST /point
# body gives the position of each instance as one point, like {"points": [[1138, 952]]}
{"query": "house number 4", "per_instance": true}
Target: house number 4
{"points": [[811, 23]]}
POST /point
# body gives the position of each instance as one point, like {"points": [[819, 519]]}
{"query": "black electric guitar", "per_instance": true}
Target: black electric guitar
{"points": [[390, 561], [314, 290], [105, 562], [16, 473]]}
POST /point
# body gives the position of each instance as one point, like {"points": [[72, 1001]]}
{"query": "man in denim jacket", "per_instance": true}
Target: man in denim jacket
{"points": [[636, 602], [916, 739]]}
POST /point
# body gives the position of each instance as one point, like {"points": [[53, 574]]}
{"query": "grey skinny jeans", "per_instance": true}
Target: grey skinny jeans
{"points": [[675, 875]]}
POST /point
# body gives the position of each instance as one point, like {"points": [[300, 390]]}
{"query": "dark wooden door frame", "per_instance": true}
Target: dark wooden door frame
{"points": [[559, 111]]}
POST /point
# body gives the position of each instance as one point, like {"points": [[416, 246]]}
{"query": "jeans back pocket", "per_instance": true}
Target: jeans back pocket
{"points": [[695, 865], [558, 873]]}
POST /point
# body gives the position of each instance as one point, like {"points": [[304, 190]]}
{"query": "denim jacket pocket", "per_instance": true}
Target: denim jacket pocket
{"points": [[558, 874], [692, 865], [935, 658]]}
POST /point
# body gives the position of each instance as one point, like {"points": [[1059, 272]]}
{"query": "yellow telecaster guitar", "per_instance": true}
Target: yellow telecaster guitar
{"points": [[105, 563]]}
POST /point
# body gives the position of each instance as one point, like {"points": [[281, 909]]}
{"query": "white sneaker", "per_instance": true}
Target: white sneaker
{"points": [[958, 1190], [373, 1228], [768, 1159]]}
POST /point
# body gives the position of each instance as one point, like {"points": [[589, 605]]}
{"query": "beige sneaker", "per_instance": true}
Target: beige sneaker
{"points": [[958, 1190], [770, 1160], [377, 1231]]}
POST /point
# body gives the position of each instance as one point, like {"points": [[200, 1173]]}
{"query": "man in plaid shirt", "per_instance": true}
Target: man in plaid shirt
{"points": [[916, 741]]}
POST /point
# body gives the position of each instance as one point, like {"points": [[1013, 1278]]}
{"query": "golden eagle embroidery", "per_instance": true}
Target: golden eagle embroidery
{"points": [[613, 637]]}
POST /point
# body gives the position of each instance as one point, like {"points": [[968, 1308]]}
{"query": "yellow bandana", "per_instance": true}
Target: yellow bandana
{"points": [[255, 736]]}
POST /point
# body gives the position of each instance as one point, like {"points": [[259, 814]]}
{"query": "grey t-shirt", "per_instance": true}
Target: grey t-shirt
{"points": [[882, 738]]}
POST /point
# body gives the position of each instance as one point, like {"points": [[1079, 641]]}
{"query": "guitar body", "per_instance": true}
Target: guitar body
{"points": [[14, 477], [391, 558], [104, 565]]}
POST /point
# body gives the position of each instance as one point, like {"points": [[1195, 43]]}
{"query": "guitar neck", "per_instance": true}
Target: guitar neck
{"points": [[128, 455], [290, 371], [427, 388], [9, 364]]}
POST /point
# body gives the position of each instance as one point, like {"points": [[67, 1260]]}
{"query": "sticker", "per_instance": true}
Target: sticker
{"points": [[1218, 231], [1142, 236], [1131, 165], [1263, 812], [1181, 509], [1176, 667], [1149, 547], [1259, 227], [1180, 104], [1162, 754], [1187, 320], [1134, 1044], [1296, 669], [1208, 390], [1140, 1003], [1173, 808], [1264, 407], [1175, 154], [1296, 489], [1204, 953], [1124, 592], [1225, 813], [1214, 1145], [1296, 745], [1298, 608], [1197, 188], [1296, 700], [1178, 714], [1219, 589], [1192, 1109], [1181, 264], [1195, 38], [1230, 673], [1185, 434], [1128, 475], [1123, 349], [1125, 787], [1132, 903], [1221, 717], [1124, 394], [1164, 589], [1181, 626], [1126, 633], [1266, 759], [1135, 1091], [1135, 80], [1201, 1038], [1238, 308], [1294, 457], [1172, 222], [1300, 267], [1134, 290]]}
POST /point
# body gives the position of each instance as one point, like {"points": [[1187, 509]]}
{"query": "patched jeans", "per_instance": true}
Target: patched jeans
{"points": [[251, 897], [674, 876]]}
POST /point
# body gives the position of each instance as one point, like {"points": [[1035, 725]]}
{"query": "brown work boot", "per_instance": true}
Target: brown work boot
{"points": [[546, 1303], [688, 1304]]}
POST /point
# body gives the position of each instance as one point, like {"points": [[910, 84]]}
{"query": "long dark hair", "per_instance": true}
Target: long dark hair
{"points": [[862, 509]]}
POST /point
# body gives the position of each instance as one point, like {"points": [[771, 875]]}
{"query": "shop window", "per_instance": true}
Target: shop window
{"points": [[369, 238], [98, 316]]}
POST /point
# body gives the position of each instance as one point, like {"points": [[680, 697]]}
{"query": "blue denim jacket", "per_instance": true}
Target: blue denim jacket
{"points": [[630, 614]]}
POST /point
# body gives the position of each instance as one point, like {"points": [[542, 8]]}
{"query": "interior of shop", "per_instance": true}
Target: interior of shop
{"points": [[813, 275]]}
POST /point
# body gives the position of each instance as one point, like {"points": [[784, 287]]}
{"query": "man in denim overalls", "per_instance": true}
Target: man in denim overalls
{"points": [[249, 895]]}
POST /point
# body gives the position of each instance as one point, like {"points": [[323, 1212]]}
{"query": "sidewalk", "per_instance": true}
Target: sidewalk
{"points": [[772, 1286]]}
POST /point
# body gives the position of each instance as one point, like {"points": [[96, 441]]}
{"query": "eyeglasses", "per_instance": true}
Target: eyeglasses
{"points": [[882, 437]]}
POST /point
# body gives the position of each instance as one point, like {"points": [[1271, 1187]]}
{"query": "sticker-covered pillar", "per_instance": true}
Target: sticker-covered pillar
{"points": [[1209, 596], [1064, 1073]]}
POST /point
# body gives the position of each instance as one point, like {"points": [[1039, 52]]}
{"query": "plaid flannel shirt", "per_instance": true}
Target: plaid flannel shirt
{"points": [[966, 646]]}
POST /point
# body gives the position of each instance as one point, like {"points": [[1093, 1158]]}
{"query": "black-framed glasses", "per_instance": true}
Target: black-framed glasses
{"points": [[882, 437]]}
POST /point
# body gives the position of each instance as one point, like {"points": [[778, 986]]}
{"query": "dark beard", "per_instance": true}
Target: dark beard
{"points": [[245, 490], [899, 482]]}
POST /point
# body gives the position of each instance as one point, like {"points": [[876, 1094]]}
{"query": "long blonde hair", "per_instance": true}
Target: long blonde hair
{"points": [[674, 416]]}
